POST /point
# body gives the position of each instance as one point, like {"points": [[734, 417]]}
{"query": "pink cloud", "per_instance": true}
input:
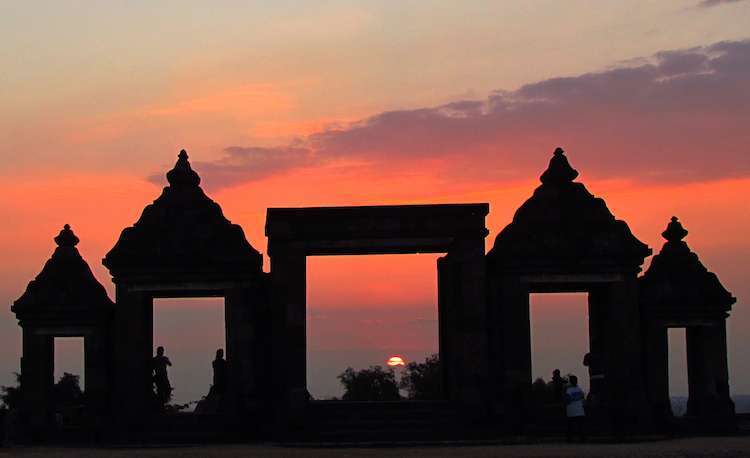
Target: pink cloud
{"points": [[678, 116]]}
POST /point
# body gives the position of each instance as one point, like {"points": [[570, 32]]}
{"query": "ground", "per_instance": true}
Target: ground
{"points": [[691, 447]]}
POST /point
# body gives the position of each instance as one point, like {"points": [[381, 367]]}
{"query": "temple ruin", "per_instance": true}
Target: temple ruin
{"points": [[562, 239]]}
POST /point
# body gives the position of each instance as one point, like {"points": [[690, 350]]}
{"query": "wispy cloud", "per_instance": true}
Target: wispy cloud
{"points": [[712, 3], [677, 116]]}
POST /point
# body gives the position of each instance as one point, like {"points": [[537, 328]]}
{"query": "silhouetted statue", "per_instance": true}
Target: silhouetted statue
{"points": [[159, 367], [220, 373], [558, 386]]}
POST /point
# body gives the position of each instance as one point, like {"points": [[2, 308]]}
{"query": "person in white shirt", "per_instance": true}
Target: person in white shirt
{"points": [[574, 397]]}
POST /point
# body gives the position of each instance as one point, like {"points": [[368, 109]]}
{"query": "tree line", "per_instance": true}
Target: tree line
{"points": [[421, 381]]}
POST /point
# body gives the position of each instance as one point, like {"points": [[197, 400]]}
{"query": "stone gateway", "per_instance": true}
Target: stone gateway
{"points": [[562, 239]]}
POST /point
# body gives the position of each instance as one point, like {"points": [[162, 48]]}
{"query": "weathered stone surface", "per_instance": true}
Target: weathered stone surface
{"points": [[678, 285], [183, 234], [65, 286], [564, 228]]}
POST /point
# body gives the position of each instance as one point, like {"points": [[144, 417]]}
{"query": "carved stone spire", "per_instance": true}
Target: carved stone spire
{"points": [[182, 235], [182, 175], [677, 285], [559, 170], [66, 237], [674, 232]]}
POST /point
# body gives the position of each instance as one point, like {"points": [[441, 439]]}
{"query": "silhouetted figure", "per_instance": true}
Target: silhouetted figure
{"points": [[574, 410], [596, 379], [159, 367], [558, 386], [220, 373]]}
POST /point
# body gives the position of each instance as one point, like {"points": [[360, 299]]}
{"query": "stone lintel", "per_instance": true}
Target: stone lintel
{"points": [[691, 323], [63, 331], [420, 225], [376, 246], [568, 282], [187, 289]]}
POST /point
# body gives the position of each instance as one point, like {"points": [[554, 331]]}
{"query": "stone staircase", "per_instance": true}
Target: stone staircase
{"points": [[192, 428], [396, 421]]}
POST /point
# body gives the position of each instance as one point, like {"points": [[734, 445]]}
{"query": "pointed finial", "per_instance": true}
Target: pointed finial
{"points": [[182, 175], [66, 237], [559, 170], [674, 232]]}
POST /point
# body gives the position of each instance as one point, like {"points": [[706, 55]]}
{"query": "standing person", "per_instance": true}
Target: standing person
{"points": [[558, 387], [220, 373], [574, 396], [159, 367]]}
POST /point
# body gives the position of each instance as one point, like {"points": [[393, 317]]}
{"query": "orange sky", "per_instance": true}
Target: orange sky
{"points": [[374, 103]]}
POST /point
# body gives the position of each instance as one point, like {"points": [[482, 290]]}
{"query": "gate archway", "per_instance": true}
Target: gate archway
{"points": [[183, 246], [457, 230], [564, 239]]}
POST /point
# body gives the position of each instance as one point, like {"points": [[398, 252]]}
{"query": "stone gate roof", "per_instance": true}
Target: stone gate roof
{"points": [[563, 228], [678, 284], [65, 286], [183, 235]]}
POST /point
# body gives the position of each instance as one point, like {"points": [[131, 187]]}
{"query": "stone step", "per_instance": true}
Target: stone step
{"points": [[343, 421]]}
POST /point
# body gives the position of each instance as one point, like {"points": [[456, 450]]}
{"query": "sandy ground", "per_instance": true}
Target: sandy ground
{"points": [[692, 447]]}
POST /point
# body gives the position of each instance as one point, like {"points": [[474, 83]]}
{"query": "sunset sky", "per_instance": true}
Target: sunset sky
{"points": [[373, 102]]}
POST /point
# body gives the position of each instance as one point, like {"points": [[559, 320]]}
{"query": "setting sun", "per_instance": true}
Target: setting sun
{"points": [[394, 361]]}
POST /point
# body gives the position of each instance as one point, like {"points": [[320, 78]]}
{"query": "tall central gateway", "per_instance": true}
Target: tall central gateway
{"points": [[562, 239], [458, 230]]}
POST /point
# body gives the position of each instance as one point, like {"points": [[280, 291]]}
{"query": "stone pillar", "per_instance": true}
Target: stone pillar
{"points": [[511, 350], [238, 338], [598, 308], [289, 277], [656, 357], [97, 374], [716, 336], [702, 394], [624, 393], [469, 285], [37, 380], [447, 320], [247, 349], [133, 350]]}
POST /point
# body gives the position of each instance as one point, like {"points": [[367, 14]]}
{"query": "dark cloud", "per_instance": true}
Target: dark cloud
{"points": [[712, 3], [678, 116], [242, 164]]}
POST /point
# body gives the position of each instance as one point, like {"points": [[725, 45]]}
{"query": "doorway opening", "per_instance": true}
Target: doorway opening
{"points": [[190, 330], [559, 335], [678, 373], [69, 375], [364, 310]]}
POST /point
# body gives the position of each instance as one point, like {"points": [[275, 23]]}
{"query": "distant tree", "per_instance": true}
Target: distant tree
{"points": [[67, 391], [11, 395], [373, 384], [423, 381]]}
